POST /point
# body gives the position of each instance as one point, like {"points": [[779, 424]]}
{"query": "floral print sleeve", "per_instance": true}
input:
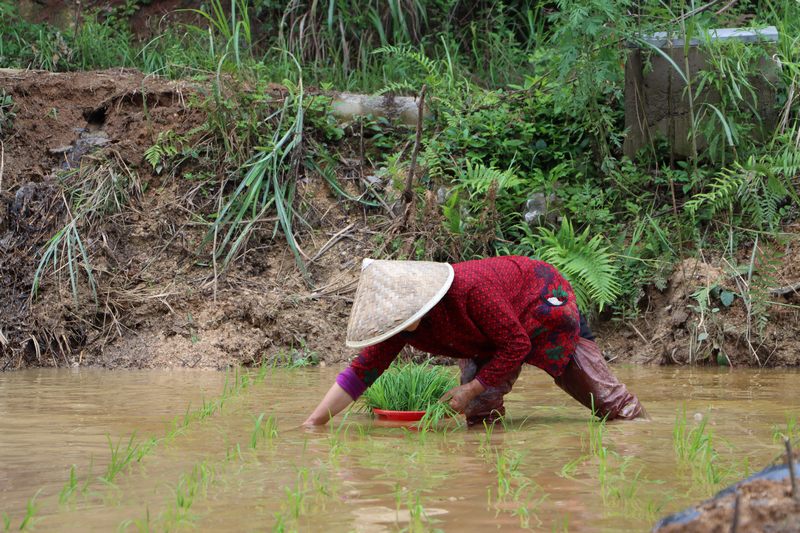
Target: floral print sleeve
{"points": [[374, 360]]}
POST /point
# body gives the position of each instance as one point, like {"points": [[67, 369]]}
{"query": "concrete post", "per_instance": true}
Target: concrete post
{"points": [[656, 102]]}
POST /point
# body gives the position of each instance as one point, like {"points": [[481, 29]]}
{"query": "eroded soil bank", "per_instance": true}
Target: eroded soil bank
{"points": [[158, 302], [763, 503]]}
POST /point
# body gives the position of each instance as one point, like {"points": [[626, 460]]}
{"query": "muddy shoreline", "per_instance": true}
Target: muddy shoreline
{"points": [[158, 302]]}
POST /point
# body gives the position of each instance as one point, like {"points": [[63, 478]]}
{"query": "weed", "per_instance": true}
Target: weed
{"points": [[296, 357]]}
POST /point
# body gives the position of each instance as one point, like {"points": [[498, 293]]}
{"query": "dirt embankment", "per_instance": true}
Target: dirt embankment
{"points": [[158, 303], [762, 503], [157, 300], [716, 313]]}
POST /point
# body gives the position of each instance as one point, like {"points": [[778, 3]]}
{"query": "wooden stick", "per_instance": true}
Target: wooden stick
{"points": [[790, 462], [407, 193], [783, 291], [735, 523]]}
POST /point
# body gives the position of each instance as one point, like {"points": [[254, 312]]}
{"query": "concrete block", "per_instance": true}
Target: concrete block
{"points": [[657, 103]]}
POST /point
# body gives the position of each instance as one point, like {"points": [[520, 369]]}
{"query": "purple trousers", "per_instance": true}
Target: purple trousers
{"points": [[587, 378]]}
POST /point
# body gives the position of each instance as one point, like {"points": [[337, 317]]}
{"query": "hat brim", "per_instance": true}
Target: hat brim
{"points": [[416, 316]]}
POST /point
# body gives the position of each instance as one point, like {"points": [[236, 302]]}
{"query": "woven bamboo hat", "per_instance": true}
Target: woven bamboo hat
{"points": [[392, 295]]}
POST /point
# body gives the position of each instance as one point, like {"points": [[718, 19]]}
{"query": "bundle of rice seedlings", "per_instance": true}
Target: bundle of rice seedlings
{"points": [[409, 387]]}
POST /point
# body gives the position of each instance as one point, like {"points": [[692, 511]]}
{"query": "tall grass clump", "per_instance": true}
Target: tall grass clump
{"points": [[409, 387]]}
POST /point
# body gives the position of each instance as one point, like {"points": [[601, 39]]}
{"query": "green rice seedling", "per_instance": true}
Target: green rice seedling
{"points": [[119, 458], [264, 429], [29, 520], [790, 431], [201, 476], [280, 522], [143, 525], [510, 481], [690, 443], [295, 501], [69, 487], [525, 511], [145, 448], [485, 445], [434, 414], [570, 467], [417, 517], [6, 522], [695, 447], [561, 525], [597, 431], [409, 387], [337, 438]]}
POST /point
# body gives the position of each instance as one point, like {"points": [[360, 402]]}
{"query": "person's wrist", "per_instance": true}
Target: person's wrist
{"points": [[476, 387]]}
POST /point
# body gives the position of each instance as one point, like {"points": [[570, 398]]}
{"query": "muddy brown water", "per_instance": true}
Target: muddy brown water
{"points": [[364, 476]]}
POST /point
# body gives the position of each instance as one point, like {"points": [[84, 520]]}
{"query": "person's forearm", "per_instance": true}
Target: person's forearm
{"points": [[335, 400]]}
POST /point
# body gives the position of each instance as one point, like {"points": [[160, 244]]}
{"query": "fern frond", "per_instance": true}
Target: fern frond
{"points": [[720, 193], [585, 262], [153, 155], [396, 87], [478, 178]]}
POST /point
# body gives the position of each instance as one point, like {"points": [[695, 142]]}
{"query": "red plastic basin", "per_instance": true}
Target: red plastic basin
{"points": [[400, 416]]}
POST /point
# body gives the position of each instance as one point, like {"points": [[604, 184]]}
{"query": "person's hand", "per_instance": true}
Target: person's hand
{"points": [[459, 397], [312, 423]]}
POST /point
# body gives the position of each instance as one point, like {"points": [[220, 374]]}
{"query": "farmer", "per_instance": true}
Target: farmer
{"points": [[493, 315]]}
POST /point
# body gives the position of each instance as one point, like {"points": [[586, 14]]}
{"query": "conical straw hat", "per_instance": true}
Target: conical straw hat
{"points": [[392, 295]]}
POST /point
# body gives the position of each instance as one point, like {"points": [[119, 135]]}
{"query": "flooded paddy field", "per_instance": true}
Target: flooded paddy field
{"points": [[170, 450]]}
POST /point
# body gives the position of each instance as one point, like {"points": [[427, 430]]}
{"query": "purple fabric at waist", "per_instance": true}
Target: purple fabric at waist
{"points": [[350, 382]]}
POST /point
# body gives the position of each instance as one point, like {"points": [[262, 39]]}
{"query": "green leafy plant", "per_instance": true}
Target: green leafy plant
{"points": [[409, 387], [584, 260], [7, 113]]}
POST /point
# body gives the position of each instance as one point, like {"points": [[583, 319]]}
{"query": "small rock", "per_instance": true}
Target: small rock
{"points": [[61, 150], [679, 317]]}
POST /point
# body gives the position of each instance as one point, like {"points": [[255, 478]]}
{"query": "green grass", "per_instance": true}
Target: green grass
{"points": [[409, 387]]}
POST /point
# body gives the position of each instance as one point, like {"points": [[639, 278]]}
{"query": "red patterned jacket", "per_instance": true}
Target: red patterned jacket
{"points": [[503, 310]]}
